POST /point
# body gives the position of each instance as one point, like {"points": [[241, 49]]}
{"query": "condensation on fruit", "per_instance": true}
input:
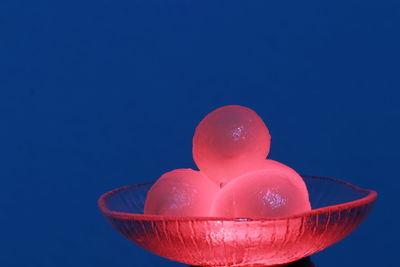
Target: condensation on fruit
{"points": [[181, 192], [267, 193], [229, 142]]}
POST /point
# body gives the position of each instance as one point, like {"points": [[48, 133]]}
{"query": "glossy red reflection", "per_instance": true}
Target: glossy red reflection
{"points": [[338, 209], [268, 193], [229, 142], [181, 192]]}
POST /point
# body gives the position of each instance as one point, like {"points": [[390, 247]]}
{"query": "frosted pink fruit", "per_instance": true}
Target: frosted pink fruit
{"points": [[229, 142], [267, 193], [181, 192]]}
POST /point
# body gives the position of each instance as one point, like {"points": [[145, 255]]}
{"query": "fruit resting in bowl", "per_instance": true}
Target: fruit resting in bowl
{"points": [[182, 192], [239, 209], [267, 193], [338, 209], [230, 146]]}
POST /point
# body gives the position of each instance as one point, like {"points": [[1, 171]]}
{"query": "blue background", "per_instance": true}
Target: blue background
{"points": [[95, 95]]}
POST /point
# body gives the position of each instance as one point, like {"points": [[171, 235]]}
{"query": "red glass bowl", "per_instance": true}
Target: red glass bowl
{"points": [[337, 209]]}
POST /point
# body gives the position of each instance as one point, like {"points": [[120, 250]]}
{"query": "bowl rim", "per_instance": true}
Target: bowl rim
{"points": [[102, 204]]}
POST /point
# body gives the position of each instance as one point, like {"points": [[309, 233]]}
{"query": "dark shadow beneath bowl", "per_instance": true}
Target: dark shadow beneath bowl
{"points": [[305, 262]]}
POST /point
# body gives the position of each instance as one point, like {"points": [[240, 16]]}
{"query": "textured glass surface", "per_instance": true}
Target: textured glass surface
{"points": [[338, 209]]}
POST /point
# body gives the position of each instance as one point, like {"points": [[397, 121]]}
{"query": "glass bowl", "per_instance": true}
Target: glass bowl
{"points": [[337, 209]]}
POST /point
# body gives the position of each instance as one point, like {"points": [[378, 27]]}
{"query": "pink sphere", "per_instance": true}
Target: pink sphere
{"points": [[181, 192], [229, 142], [267, 193]]}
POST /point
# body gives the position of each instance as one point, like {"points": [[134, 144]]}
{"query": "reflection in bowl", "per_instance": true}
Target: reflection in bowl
{"points": [[337, 209]]}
